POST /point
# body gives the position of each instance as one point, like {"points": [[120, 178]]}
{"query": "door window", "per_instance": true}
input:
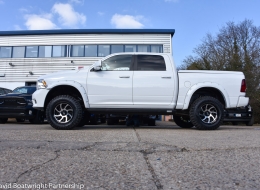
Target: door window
{"points": [[150, 63], [117, 63]]}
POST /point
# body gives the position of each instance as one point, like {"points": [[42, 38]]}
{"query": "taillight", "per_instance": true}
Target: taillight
{"points": [[243, 86]]}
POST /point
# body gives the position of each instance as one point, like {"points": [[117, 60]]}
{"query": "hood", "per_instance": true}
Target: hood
{"points": [[26, 96]]}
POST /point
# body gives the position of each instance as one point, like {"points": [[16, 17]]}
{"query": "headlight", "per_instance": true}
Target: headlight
{"points": [[41, 84], [29, 102]]}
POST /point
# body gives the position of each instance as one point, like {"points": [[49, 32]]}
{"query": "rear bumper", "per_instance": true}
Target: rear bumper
{"points": [[242, 101], [18, 113], [238, 115]]}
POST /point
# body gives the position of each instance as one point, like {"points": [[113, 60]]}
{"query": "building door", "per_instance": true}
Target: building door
{"points": [[112, 86], [153, 83]]}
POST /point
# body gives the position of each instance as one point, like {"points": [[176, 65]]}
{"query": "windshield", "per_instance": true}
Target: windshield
{"points": [[25, 90]]}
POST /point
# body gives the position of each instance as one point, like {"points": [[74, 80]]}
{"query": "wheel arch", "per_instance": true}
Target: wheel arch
{"points": [[206, 89], [71, 88]]}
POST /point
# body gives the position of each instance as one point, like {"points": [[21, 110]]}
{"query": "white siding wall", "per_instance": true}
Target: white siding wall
{"points": [[40, 66]]}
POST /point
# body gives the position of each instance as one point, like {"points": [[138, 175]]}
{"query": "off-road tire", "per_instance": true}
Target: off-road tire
{"points": [[38, 119], [206, 113], [182, 121], [251, 122], [73, 104]]}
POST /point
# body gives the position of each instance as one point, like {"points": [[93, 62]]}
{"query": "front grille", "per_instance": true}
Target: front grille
{"points": [[12, 102]]}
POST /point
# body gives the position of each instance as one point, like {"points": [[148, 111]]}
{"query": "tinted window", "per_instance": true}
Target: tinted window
{"points": [[156, 48], [130, 48], [150, 63], [25, 90], [5, 52], [117, 48], [91, 50], [2, 91], [117, 63], [59, 51], [31, 51], [18, 52], [45, 51], [77, 51], [143, 48], [103, 50]]}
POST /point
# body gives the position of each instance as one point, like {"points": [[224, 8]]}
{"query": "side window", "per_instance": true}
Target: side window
{"points": [[117, 63], [150, 63], [31, 51], [59, 51], [18, 52], [5, 52], [2, 91], [45, 51]]}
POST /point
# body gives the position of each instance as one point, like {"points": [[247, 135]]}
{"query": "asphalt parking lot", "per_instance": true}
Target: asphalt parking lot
{"points": [[119, 157]]}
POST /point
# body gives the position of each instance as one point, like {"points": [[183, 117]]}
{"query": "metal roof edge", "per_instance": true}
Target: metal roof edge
{"points": [[87, 31]]}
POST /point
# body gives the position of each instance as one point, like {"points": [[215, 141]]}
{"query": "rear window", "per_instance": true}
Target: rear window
{"points": [[150, 63]]}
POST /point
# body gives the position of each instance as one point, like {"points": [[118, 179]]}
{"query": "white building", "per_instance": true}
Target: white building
{"points": [[26, 55]]}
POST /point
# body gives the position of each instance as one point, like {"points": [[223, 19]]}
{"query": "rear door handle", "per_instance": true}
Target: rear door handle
{"points": [[166, 77], [124, 76]]}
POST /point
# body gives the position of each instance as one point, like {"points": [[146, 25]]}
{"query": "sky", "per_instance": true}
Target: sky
{"points": [[191, 19]]}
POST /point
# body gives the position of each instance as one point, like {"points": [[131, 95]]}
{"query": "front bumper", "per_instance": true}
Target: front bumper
{"points": [[38, 98], [26, 113]]}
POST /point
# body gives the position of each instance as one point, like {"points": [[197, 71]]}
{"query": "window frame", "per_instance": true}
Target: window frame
{"points": [[136, 63], [131, 68]]}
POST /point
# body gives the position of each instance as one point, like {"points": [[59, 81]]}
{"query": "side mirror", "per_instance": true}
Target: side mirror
{"points": [[97, 66]]}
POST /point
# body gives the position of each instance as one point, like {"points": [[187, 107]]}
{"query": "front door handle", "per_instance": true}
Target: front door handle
{"points": [[124, 76], [166, 77]]}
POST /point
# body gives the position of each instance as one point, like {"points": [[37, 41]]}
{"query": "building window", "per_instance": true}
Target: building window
{"points": [[103, 50], [77, 51], [59, 51], [156, 48], [5, 52], [130, 48], [31, 51], [90, 50], [18, 52], [45, 51], [150, 63], [117, 63], [117, 48], [144, 48]]}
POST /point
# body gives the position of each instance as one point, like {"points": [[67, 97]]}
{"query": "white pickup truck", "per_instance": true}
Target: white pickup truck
{"points": [[140, 83]]}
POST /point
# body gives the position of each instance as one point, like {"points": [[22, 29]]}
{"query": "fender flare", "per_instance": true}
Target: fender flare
{"points": [[198, 86], [74, 84]]}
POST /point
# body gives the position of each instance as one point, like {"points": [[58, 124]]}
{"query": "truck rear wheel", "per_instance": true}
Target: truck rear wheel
{"points": [[206, 113], [182, 121], [64, 112]]}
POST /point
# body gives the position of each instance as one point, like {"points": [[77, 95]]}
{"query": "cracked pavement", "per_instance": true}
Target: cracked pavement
{"points": [[119, 157]]}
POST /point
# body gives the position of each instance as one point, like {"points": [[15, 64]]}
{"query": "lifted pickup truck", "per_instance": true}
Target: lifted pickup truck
{"points": [[139, 83]]}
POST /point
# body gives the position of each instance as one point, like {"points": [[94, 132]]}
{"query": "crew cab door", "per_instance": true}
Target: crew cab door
{"points": [[111, 87], [153, 82]]}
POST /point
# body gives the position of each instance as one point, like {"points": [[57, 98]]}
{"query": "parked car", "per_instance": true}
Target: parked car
{"points": [[4, 91], [240, 115], [141, 83], [18, 104]]}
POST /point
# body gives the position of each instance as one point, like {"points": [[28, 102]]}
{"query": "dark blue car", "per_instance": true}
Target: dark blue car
{"points": [[18, 104]]}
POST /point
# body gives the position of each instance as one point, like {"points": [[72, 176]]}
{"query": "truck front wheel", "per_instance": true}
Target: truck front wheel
{"points": [[64, 112], [206, 113]]}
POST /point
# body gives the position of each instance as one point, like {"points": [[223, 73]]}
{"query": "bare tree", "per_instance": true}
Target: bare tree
{"points": [[236, 47]]}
